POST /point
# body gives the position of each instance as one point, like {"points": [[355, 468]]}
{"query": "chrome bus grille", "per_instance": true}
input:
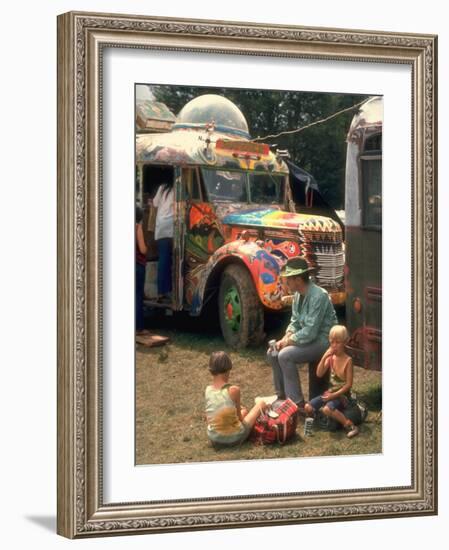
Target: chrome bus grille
{"points": [[325, 253]]}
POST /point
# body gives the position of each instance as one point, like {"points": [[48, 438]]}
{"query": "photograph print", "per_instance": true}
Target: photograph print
{"points": [[258, 289]]}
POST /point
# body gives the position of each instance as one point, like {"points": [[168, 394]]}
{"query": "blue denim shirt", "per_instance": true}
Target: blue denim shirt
{"points": [[313, 316]]}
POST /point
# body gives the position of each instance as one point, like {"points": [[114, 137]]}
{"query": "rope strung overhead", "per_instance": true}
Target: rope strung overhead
{"points": [[311, 124]]}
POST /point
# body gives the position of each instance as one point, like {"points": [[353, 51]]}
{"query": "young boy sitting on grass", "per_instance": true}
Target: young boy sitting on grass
{"points": [[228, 423], [334, 401]]}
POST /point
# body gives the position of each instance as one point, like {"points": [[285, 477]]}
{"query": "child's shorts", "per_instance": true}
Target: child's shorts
{"points": [[229, 440], [335, 404]]}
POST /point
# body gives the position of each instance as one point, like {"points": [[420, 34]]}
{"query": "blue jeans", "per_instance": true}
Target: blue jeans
{"points": [[285, 367], [164, 266], [140, 286], [335, 404]]}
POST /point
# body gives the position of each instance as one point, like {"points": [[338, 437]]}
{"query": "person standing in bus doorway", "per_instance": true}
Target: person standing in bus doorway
{"points": [[141, 260], [306, 337], [163, 235]]}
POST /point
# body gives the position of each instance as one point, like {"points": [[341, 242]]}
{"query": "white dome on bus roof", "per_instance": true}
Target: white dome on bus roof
{"points": [[208, 108]]}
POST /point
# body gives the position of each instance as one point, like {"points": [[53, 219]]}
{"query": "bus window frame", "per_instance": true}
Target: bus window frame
{"points": [[375, 154], [191, 173]]}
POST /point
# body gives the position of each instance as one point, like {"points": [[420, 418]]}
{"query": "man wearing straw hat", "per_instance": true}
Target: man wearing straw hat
{"points": [[306, 337]]}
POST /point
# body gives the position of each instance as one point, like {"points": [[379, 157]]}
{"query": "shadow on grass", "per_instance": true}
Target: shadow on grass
{"points": [[365, 428], [372, 396], [203, 333]]}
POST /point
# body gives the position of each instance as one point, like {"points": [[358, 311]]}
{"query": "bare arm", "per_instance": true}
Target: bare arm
{"points": [[141, 240], [234, 393], [323, 365]]}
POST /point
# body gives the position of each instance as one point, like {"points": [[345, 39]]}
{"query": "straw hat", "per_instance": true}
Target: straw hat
{"points": [[295, 266]]}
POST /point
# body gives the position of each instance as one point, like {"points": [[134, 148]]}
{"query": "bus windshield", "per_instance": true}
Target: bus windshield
{"points": [[265, 188], [247, 187], [225, 185]]}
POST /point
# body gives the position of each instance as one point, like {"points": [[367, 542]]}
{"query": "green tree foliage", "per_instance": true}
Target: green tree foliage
{"points": [[320, 149]]}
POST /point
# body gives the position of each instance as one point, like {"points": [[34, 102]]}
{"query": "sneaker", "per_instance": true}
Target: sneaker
{"points": [[351, 430], [268, 399]]}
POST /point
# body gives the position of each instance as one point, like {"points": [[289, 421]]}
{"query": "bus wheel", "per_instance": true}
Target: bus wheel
{"points": [[241, 313]]}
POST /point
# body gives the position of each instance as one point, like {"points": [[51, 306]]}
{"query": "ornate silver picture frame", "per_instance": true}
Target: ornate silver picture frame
{"points": [[82, 40]]}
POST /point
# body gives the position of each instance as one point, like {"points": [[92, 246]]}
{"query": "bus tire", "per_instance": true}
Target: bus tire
{"points": [[240, 310]]}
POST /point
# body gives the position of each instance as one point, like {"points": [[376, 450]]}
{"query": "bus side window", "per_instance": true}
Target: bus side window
{"points": [[371, 172], [191, 184]]}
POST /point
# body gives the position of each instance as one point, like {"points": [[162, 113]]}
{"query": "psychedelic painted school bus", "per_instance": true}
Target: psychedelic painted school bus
{"points": [[235, 221], [363, 212]]}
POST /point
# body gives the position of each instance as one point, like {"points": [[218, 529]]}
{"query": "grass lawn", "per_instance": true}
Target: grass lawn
{"points": [[170, 384]]}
